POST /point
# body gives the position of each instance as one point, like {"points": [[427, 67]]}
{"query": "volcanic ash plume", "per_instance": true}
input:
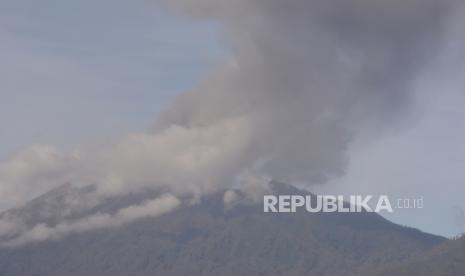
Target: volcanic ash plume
{"points": [[305, 75]]}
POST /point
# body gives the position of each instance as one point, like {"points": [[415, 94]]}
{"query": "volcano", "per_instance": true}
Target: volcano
{"points": [[212, 238]]}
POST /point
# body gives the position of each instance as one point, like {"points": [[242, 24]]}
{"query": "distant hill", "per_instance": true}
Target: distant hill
{"points": [[210, 239], [447, 259]]}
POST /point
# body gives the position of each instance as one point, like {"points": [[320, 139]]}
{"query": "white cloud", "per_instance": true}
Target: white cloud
{"points": [[31, 171], [151, 208]]}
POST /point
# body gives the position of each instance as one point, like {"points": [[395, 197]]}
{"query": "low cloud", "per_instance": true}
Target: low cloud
{"points": [[32, 171], [42, 232]]}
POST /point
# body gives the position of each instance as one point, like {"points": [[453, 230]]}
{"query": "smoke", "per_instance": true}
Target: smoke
{"points": [[302, 79], [308, 75], [32, 171], [151, 208]]}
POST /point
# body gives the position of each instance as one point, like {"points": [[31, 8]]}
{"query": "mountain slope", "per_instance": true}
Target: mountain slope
{"points": [[446, 259], [210, 239]]}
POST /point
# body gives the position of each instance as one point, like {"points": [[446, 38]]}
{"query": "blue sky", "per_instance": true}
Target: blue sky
{"points": [[76, 71]]}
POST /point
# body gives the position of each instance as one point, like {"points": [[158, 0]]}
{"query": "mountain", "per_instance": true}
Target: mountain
{"points": [[211, 238], [447, 259]]}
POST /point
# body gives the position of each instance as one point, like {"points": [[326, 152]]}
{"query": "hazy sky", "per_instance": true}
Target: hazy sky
{"points": [[76, 71], [79, 72]]}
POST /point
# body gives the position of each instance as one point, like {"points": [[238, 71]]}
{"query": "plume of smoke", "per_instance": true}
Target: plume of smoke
{"points": [[151, 208], [307, 75], [32, 171]]}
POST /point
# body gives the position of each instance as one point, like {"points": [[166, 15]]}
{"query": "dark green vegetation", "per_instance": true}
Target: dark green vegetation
{"points": [[209, 239]]}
